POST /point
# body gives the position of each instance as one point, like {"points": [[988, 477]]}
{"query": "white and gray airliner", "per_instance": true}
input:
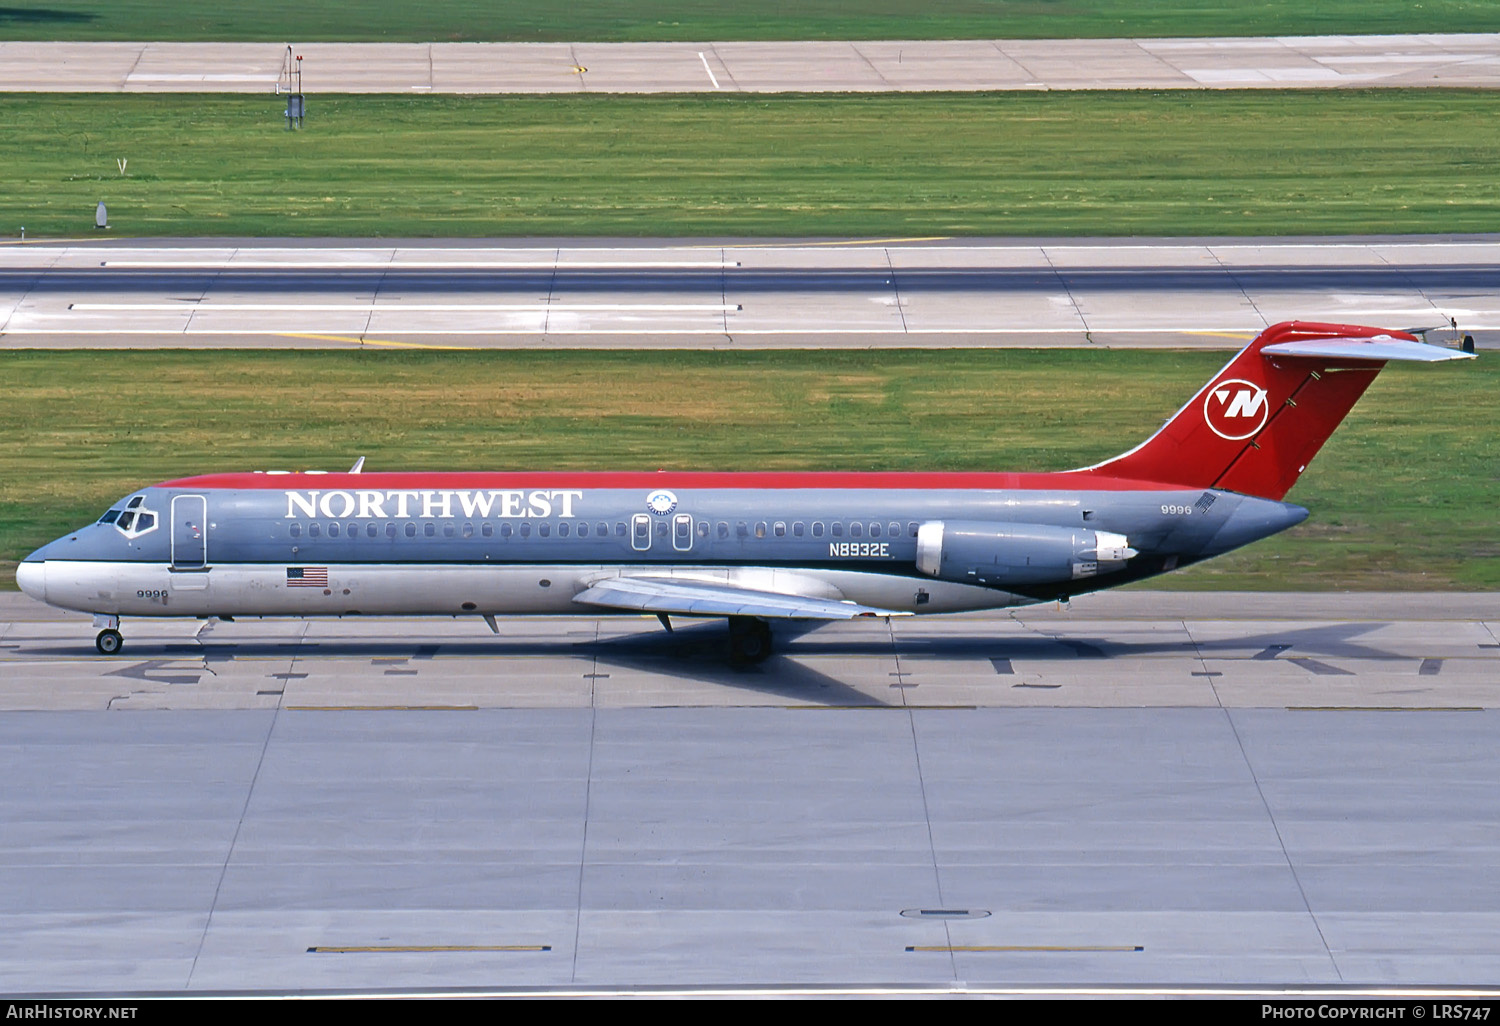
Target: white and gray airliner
{"points": [[749, 547]]}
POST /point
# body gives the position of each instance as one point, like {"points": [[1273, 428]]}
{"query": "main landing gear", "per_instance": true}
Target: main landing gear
{"points": [[109, 641], [749, 639]]}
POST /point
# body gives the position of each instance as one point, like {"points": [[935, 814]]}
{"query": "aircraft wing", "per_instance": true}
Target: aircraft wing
{"points": [[703, 598]]}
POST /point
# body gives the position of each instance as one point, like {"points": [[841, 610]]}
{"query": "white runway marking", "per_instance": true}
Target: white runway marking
{"points": [[706, 68], [1236, 334], [197, 306], [293, 264]]}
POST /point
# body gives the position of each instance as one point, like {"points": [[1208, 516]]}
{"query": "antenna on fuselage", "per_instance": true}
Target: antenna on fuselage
{"points": [[359, 465]]}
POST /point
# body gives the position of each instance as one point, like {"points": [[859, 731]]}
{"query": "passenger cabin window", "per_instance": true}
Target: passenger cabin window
{"points": [[468, 530], [545, 530], [562, 530], [779, 529], [411, 530], [797, 529], [703, 529], [505, 530], [333, 530], [723, 529], [895, 530], [295, 530], [525, 530], [817, 528], [449, 530], [583, 530], [487, 529], [429, 530], [313, 530], [838, 529], [855, 530], [390, 530], [874, 530], [760, 529]]}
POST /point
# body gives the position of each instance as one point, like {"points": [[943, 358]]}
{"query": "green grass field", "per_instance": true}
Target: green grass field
{"points": [[1116, 163], [1401, 497], [633, 20]]}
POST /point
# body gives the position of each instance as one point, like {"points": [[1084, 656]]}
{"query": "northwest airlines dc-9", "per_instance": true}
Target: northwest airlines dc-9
{"points": [[750, 547]]}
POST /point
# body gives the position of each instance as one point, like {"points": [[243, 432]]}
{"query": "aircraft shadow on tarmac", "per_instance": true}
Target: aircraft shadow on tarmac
{"points": [[697, 653]]}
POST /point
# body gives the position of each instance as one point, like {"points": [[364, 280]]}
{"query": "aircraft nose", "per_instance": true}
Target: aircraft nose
{"points": [[31, 576]]}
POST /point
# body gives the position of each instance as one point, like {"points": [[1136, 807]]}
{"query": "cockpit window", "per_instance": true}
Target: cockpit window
{"points": [[134, 520]]}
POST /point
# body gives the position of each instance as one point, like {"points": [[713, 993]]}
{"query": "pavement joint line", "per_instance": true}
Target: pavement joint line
{"points": [[1286, 856], [1385, 708]]}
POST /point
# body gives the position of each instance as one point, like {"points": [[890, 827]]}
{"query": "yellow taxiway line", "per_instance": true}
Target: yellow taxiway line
{"points": [[840, 242], [370, 341]]}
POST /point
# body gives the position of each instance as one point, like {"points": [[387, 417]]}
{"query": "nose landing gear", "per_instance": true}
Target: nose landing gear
{"points": [[108, 641]]}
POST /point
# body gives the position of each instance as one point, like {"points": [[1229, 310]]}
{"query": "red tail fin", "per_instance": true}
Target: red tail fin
{"points": [[1257, 424]]}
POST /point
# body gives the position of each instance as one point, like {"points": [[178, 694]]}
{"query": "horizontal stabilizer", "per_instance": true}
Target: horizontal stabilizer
{"points": [[702, 598], [1259, 422], [1378, 347]]}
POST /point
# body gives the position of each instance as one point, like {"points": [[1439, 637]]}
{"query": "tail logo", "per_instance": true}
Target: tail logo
{"points": [[1236, 409]]}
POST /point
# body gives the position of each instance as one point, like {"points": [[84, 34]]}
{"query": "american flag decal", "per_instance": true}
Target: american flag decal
{"points": [[307, 577]]}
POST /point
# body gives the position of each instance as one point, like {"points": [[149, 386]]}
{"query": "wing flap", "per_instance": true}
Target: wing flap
{"points": [[702, 598], [1380, 347]]}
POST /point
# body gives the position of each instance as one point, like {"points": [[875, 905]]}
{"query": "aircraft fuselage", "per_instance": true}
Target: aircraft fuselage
{"points": [[394, 544]]}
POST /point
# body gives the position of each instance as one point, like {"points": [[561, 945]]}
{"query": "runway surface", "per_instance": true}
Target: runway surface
{"points": [[1471, 60], [586, 293], [1143, 788]]}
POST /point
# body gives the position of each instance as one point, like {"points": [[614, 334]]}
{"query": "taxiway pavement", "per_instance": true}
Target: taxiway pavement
{"points": [[1143, 788], [1470, 60], [591, 293]]}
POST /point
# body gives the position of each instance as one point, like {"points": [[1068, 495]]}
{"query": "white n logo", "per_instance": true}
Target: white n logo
{"points": [[1236, 409], [1246, 402]]}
